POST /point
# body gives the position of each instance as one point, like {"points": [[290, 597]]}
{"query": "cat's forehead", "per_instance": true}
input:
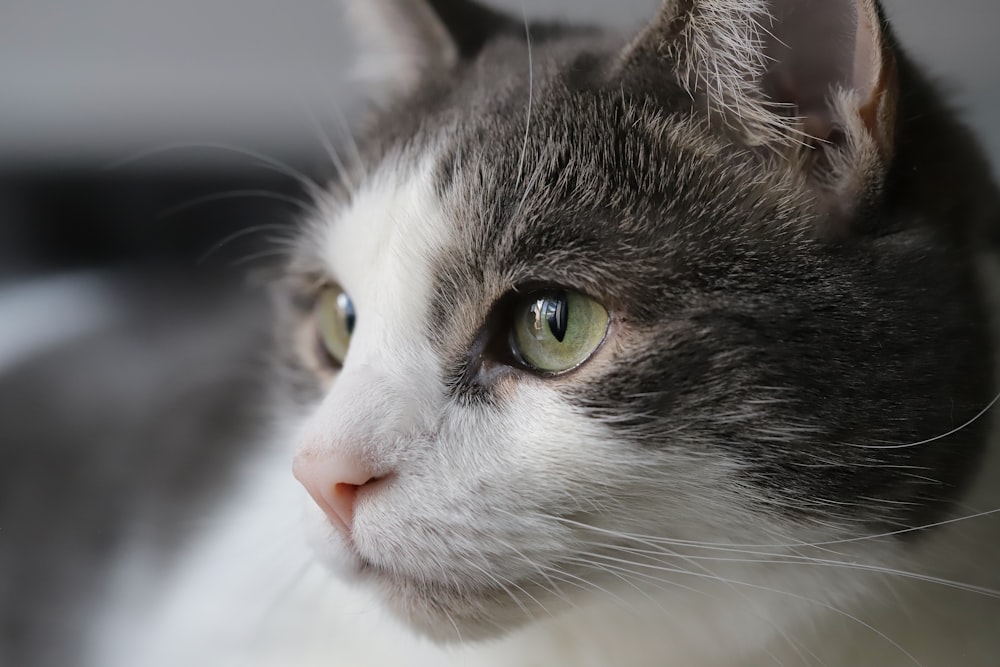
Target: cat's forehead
{"points": [[559, 186], [541, 174]]}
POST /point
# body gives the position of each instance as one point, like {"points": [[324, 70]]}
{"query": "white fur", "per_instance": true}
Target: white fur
{"points": [[483, 477]]}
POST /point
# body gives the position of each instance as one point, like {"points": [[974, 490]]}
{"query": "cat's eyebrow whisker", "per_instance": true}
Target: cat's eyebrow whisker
{"points": [[531, 94], [350, 139], [264, 254], [311, 186], [529, 187], [247, 231], [343, 173], [302, 204]]}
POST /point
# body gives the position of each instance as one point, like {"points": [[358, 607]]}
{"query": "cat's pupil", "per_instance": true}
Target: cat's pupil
{"points": [[557, 315], [346, 307]]}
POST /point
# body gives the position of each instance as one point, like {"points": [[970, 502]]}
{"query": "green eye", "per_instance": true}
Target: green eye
{"points": [[557, 331], [335, 320]]}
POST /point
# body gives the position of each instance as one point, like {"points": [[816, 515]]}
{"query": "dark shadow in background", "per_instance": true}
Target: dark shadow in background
{"points": [[121, 434], [82, 218]]}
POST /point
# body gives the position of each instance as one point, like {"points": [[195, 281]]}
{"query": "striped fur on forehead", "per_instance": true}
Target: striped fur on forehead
{"points": [[605, 194]]}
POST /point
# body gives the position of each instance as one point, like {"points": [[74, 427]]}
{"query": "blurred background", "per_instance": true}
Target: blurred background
{"points": [[153, 155]]}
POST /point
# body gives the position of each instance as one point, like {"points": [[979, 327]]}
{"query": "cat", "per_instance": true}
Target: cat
{"points": [[672, 348]]}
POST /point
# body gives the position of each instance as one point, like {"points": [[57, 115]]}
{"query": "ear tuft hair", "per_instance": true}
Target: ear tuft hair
{"points": [[716, 49], [811, 80]]}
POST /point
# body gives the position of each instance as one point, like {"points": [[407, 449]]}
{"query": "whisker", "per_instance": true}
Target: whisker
{"points": [[301, 204], [588, 585], [531, 94], [982, 413], [790, 559], [536, 566], [803, 598], [352, 142], [785, 559], [311, 186], [238, 235], [673, 584], [789, 545], [499, 582], [331, 151], [754, 608], [253, 257]]}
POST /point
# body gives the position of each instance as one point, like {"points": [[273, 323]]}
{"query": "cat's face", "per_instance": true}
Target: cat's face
{"points": [[538, 347]]}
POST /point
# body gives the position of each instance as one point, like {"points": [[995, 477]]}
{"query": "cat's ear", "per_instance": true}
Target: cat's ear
{"points": [[814, 79], [402, 41]]}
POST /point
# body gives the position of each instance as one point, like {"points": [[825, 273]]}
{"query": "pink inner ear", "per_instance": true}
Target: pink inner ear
{"points": [[815, 47]]}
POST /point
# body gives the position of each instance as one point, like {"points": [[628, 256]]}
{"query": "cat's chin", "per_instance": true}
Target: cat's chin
{"points": [[444, 614]]}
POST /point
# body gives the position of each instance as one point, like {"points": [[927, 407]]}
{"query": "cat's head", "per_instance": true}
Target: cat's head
{"points": [[577, 294]]}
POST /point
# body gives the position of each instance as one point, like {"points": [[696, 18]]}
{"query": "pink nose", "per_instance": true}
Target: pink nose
{"points": [[333, 482]]}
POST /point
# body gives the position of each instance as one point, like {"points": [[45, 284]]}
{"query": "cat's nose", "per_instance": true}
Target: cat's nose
{"points": [[333, 481]]}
